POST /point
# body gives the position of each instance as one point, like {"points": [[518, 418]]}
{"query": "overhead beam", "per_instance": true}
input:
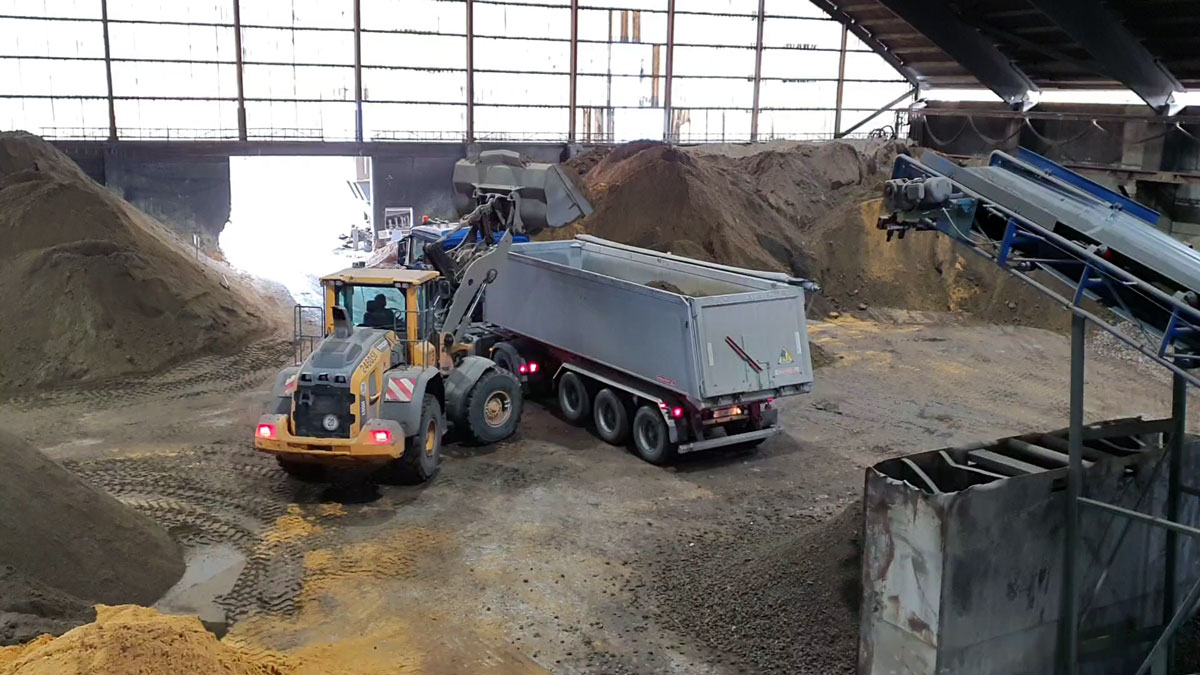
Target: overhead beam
{"points": [[972, 50], [1122, 56], [868, 38]]}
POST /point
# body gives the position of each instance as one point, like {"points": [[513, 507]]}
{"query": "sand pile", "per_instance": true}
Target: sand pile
{"points": [[91, 288], [747, 211], [131, 640], [69, 545], [797, 596], [924, 271]]}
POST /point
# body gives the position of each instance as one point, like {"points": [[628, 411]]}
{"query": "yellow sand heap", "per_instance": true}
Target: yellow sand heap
{"points": [[132, 640]]}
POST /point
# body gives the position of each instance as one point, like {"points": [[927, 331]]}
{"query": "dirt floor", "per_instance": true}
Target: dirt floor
{"points": [[554, 551]]}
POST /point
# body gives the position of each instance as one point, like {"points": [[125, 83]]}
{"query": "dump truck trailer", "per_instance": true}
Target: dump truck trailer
{"points": [[678, 354]]}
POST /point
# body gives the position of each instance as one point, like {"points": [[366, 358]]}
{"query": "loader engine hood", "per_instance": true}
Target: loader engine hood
{"points": [[332, 389]]}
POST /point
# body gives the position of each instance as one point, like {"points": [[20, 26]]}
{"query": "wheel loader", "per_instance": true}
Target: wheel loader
{"points": [[396, 364]]}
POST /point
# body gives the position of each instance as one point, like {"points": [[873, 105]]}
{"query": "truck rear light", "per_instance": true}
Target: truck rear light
{"points": [[533, 367], [522, 369], [676, 412], [265, 431], [381, 437]]}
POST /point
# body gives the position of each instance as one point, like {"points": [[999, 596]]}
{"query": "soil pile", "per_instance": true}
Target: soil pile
{"points": [[91, 288], [808, 209], [856, 265], [29, 608], [791, 605], [69, 545], [131, 640], [747, 211]]}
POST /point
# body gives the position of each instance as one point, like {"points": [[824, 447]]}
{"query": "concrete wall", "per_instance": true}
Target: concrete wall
{"points": [[191, 194]]}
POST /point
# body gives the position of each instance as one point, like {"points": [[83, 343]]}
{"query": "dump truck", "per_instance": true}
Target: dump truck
{"points": [[675, 355]]}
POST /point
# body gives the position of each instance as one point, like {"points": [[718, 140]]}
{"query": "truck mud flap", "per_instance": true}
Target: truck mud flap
{"points": [[711, 443]]}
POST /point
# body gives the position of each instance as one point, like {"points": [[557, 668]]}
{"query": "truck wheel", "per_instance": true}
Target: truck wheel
{"points": [[650, 436], [573, 398], [422, 451], [611, 417], [309, 472], [494, 406]]}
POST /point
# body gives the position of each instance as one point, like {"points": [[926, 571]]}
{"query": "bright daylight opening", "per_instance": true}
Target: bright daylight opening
{"points": [[291, 220]]}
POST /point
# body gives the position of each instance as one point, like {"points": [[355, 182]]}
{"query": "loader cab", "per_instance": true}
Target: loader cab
{"points": [[407, 308]]}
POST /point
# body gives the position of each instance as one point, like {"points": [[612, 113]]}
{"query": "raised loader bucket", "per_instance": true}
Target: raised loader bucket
{"points": [[548, 198]]}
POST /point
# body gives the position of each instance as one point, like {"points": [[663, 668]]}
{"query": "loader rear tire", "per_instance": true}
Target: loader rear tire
{"points": [[611, 417], [650, 436], [494, 406], [574, 399], [309, 472], [422, 451]]}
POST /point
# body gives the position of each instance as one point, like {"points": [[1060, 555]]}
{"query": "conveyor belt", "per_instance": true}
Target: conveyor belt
{"points": [[1028, 214]]}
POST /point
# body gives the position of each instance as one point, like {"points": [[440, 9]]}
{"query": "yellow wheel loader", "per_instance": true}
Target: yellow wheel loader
{"points": [[396, 362]]}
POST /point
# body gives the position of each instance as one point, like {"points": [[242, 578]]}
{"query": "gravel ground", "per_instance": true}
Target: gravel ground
{"points": [[554, 550]]}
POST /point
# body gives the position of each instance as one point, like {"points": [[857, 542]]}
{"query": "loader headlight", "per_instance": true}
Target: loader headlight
{"points": [[330, 422]]}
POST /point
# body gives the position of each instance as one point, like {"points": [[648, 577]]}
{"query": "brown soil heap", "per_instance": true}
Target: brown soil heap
{"points": [[131, 640], [808, 209], [747, 211], [91, 288], [69, 544]]}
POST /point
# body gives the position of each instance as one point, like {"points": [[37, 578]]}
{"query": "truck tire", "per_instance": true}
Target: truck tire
{"points": [[309, 472], [494, 406], [574, 400], [611, 417], [650, 436], [422, 451]]}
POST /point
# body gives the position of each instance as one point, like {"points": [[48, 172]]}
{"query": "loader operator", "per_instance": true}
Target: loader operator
{"points": [[378, 314]]}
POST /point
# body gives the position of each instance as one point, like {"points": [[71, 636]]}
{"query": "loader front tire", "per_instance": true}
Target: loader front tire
{"points": [[494, 406], [422, 451]]}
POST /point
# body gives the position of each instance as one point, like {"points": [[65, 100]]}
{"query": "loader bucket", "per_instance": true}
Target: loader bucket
{"points": [[548, 197]]}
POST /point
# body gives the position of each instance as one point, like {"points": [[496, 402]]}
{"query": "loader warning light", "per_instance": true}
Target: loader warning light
{"points": [[381, 436], [676, 412], [266, 431]]}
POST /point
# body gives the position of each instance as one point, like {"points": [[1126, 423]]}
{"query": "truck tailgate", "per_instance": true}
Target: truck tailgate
{"points": [[752, 345]]}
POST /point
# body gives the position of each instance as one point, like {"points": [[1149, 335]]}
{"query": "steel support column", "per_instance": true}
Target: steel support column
{"points": [[470, 134], [841, 83], [238, 68], [1174, 480], [112, 108], [358, 89], [574, 69], [669, 72], [1070, 612], [1101, 32], [758, 53]]}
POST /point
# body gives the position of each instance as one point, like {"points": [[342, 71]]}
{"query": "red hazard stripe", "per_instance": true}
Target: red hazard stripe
{"points": [[399, 390]]}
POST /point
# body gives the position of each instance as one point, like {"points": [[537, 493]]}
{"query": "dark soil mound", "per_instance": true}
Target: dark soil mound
{"points": [[790, 605], [67, 543], [92, 288], [29, 608]]}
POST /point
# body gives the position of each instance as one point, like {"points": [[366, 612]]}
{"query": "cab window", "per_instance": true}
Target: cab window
{"points": [[375, 306]]}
